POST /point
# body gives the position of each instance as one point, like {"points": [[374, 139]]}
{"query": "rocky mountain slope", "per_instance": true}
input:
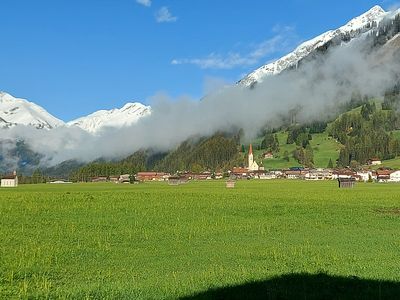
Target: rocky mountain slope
{"points": [[351, 30]]}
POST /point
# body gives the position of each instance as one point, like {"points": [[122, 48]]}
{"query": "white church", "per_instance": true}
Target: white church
{"points": [[253, 166]]}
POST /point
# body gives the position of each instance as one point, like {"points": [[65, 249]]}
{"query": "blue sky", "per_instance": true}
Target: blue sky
{"points": [[74, 57]]}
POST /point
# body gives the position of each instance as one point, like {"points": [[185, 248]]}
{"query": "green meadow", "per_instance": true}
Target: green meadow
{"points": [[324, 149], [263, 239]]}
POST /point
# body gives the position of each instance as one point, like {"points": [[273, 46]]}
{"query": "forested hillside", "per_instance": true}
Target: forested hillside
{"points": [[218, 152], [369, 129]]}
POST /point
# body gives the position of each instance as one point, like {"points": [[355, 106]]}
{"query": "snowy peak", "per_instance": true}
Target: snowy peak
{"points": [[129, 114], [15, 111], [352, 29], [373, 14]]}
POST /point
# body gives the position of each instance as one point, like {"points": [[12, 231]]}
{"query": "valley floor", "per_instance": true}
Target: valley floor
{"points": [[276, 239]]}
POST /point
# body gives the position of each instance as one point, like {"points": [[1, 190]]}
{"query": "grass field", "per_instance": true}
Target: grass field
{"points": [[152, 241], [390, 163]]}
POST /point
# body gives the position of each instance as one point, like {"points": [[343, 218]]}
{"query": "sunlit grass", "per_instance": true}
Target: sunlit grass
{"points": [[157, 241]]}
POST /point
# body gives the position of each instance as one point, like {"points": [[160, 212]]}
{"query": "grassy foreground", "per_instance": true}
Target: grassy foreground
{"points": [[152, 240]]}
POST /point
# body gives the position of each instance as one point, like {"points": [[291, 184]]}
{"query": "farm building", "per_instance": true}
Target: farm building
{"points": [[219, 175], [125, 178], [174, 180], [383, 175], [267, 176], [114, 179], [343, 173], [268, 155], [294, 174], [99, 179], [60, 182], [10, 180], [152, 176], [256, 174], [230, 184], [239, 172], [319, 174], [200, 176], [364, 175], [177, 180], [346, 183], [395, 176], [146, 176], [374, 161]]}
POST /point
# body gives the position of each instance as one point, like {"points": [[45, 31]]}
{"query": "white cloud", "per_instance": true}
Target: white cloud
{"points": [[212, 84], [319, 87], [285, 39], [144, 2], [164, 15]]}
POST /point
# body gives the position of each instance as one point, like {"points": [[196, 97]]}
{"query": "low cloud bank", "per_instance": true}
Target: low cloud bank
{"points": [[316, 87]]}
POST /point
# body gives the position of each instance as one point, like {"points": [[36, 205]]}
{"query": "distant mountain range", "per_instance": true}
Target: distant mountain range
{"points": [[15, 111]]}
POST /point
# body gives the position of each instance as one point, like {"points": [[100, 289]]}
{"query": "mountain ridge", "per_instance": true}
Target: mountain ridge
{"points": [[18, 111], [127, 115], [349, 30]]}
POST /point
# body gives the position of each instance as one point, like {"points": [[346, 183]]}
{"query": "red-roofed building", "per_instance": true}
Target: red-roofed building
{"points": [[383, 175], [240, 171], [268, 155], [152, 176]]}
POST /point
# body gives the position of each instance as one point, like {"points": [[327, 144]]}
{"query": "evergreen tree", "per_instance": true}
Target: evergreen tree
{"points": [[330, 164], [270, 143]]}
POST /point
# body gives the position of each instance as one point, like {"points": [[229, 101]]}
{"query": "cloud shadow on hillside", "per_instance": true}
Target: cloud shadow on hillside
{"points": [[305, 286]]}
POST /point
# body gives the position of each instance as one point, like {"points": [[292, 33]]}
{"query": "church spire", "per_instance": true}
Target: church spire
{"points": [[252, 164]]}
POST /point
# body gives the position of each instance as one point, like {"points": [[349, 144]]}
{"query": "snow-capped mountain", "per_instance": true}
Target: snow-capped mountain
{"points": [[15, 111], [129, 114], [347, 32]]}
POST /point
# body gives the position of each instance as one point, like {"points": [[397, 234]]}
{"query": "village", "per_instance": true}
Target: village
{"points": [[255, 171], [252, 171]]}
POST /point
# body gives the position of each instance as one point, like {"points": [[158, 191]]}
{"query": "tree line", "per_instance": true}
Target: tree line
{"points": [[366, 134]]}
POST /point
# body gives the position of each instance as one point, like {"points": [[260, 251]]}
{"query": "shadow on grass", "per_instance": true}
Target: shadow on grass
{"points": [[306, 286]]}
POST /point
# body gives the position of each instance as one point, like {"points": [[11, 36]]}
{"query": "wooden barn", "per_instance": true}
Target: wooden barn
{"points": [[346, 183], [230, 184], [176, 180]]}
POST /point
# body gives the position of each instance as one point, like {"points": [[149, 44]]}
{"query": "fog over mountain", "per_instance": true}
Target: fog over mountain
{"points": [[315, 85]]}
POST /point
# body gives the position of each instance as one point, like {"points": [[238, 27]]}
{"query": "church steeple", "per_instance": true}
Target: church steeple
{"points": [[253, 166], [251, 157]]}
